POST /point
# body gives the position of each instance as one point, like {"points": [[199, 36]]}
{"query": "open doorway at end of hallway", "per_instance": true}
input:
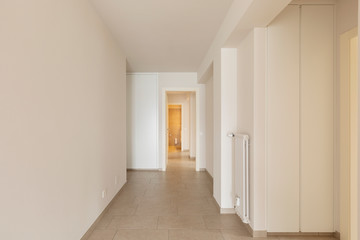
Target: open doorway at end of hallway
{"points": [[181, 123], [175, 128]]}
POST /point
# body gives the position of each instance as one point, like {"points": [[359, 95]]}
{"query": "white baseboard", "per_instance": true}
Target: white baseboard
{"points": [[256, 233], [301, 234], [227, 210], [144, 169]]}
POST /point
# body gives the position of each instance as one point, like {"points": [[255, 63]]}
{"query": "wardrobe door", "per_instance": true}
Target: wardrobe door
{"points": [[283, 122], [316, 114]]}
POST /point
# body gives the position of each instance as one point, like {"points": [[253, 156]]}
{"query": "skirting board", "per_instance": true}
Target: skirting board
{"points": [[264, 234], [144, 169], [91, 229], [224, 210], [301, 234], [256, 233], [227, 210]]}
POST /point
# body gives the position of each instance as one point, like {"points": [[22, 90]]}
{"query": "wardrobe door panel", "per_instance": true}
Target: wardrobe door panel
{"points": [[316, 114], [283, 122]]}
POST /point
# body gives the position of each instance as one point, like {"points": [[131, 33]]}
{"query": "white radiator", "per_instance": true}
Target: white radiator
{"points": [[241, 183]]}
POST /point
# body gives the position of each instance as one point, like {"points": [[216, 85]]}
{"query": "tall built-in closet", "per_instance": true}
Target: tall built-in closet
{"points": [[300, 119]]}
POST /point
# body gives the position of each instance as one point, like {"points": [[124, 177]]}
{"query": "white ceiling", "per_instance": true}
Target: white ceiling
{"points": [[163, 35]]}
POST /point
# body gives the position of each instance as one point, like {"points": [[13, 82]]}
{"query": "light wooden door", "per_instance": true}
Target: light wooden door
{"points": [[175, 126]]}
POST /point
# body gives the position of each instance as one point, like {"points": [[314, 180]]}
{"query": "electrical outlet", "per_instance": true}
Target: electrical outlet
{"points": [[103, 194]]}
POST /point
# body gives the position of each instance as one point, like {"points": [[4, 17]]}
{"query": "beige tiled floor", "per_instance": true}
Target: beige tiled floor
{"points": [[172, 205]]}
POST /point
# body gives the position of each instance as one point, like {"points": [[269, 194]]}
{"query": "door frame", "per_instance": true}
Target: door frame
{"points": [[164, 147], [345, 134]]}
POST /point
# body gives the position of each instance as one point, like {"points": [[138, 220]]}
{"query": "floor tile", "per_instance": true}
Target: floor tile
{"points": [[157, 209], [204, 208], [228, 221], [100, 234], [104, 222], [195, 234], [122, 210], [133, 222], [142, 234], [239, 234], [176, 204], [181, 222]]}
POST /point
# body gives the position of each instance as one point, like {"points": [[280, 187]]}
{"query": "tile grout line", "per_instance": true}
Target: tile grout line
{"points": [[115, 234]]}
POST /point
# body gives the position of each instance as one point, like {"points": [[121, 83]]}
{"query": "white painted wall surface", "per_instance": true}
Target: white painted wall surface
{"points": [[209, 85], [232, 19], [259, 140], [217, 128], [142, 121], [63, 119], [241, 16], [245, 102], [192, 125], [184, 100], [251, 117], [228, 122], [154, 84]]}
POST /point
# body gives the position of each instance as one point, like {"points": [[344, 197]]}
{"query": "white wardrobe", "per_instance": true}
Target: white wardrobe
{"points": [[300, 120]]}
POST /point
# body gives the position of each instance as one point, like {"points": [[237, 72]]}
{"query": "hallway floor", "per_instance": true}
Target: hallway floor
{"points": [[172, 205]]}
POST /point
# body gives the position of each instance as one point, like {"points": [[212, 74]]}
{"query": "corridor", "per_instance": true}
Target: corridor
{"points": [[176, 204]]}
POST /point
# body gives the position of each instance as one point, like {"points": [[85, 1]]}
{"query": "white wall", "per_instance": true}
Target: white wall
{"points": [[259, 139], [171, 82], [251, 68], [142, 121], [62, 101], [217, 128], [192, 125], [228, 122], [209, 85], [245, 101], [183, 99], [224, 122]]}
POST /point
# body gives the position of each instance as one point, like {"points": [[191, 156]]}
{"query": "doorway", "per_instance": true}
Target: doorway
{"points": [[182, 136], [175, 128], [349, 135]]}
